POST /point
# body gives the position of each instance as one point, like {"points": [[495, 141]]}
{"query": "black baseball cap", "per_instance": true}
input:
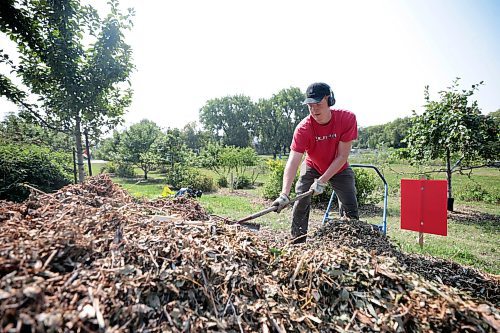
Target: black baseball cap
{"points": [[316, 91]]}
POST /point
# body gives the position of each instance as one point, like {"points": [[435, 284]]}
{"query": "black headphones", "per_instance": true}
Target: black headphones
{"points": [[331, 98]]}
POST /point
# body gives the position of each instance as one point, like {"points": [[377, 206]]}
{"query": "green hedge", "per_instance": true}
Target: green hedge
{"points": [[33, 165]]}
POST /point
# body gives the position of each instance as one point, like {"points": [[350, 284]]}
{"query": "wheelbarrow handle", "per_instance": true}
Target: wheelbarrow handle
{"points": [[274, 208]]}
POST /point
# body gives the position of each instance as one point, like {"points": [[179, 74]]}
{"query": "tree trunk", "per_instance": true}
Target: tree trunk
{"points": [[79, 150], [448, 178]]}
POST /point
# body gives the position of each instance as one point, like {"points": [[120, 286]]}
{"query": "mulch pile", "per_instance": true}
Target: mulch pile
{"points": [[90, 258], [358, 234]]}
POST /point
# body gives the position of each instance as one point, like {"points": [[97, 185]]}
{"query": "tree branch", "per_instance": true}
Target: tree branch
{"points": [[495, 164]]}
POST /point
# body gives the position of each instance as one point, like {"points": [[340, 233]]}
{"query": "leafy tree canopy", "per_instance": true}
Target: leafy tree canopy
{"points": [[454, 130], [77, 86], [229, 119], [277, 118]]}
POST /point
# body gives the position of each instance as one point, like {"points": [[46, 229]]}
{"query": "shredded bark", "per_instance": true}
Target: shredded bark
{"points": [[91, 258]]}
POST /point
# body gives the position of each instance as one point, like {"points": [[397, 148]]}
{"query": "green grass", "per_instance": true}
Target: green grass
{"points": [[150, 189], [234, 207], [473, 243]]}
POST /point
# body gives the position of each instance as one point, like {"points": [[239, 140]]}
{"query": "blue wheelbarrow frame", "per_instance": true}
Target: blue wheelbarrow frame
{"points": [[382, 227]]}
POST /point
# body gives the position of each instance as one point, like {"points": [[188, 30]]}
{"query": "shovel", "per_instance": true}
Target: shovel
{"points": [[255, 226]]}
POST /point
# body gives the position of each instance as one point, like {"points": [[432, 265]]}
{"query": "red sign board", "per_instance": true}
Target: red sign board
{"points": [[424, 205]]}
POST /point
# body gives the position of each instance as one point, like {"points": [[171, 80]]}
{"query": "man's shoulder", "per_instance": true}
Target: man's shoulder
{"points": [[306, 122], [342, 112]]}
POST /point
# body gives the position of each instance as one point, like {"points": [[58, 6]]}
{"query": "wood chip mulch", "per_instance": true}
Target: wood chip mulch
{"points": [[89, 258]]}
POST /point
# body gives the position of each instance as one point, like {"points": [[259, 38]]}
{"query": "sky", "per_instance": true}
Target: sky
{"points": [[376, 55]]}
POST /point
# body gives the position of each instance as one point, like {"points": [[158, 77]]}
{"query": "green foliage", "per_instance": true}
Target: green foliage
{"points": [[222, 182], [277, 118], [477, 193], [125, 170], [450, 126], [229, 162], [172, 149], [137, 145], [194, 138], [75, 65], [180, 176], [33, 165], [14, 129], [197, 180], [386, 135], [366, 187], [229, 119], [272, 187], [241, 182], [109, 148], [110, 167], [454, 131], [120, 169]]}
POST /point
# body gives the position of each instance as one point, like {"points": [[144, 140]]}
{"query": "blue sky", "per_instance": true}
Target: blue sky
{"points": [[376, 55]]}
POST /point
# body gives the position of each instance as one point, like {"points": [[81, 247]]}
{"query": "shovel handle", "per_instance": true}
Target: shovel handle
{"points": [[274, 208]]}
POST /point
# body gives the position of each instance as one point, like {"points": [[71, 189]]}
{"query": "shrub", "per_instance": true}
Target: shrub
{"points": [[272, 187], [181, 176], [477, 193], [366, 187], [37, 166], [125, 170], [197, 180], [222, 181], [242, 181], [110, 167]]}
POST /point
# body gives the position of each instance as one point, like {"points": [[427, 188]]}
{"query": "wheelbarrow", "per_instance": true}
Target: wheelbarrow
{"points": [[383, 226]]}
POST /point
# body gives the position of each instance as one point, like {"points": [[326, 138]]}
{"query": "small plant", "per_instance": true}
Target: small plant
{"points": [[182, 176], [241, 182], [197, 180], [365, 187], [473, 193], [110, 167], [272, 187], [125, 170], [222, 182]]}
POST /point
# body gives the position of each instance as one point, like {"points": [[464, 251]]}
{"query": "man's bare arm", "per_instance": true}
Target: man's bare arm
{"points": [[291, 168]]}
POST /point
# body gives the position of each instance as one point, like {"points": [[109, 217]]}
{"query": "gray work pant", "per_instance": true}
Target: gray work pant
{"points": [[344, 186]]}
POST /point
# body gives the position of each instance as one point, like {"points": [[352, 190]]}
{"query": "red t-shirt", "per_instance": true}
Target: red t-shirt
{"points": [[321, 141]]}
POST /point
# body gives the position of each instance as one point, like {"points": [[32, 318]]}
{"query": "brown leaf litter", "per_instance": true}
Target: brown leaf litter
{"points": [[90, 258]]}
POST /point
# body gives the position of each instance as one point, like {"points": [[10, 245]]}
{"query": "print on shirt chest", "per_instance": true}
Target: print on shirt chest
{"points": [[325, 137]]}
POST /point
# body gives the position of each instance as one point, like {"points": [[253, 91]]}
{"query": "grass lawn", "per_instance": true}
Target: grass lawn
{"points": [[473, 229]]}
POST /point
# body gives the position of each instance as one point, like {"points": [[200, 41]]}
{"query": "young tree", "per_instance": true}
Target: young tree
{"points": [[79, 86], [137, 145], [228, 162], [454, 130]]}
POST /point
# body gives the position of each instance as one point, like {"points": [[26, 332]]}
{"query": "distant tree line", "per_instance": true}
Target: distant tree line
{"points": [[390, 135], [267, 124]]}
